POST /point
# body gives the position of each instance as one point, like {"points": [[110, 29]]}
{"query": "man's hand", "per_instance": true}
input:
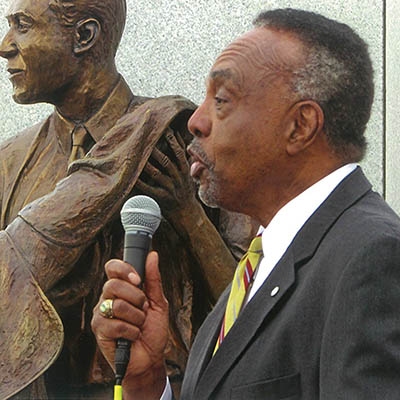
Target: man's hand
{"points": [[142, 318]]}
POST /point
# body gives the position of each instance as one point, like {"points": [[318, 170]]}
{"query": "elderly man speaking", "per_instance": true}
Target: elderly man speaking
{"points": [[313, 310]]}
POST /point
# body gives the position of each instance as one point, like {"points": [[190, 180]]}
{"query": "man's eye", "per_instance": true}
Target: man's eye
{"points": [[219, 100], [22, 25]]}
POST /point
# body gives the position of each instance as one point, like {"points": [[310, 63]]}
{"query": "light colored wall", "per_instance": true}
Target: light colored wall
{"points": [[169, 46], [392, 144]]}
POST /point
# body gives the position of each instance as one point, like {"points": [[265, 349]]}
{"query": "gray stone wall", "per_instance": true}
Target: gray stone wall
{"points": [[169, 46], [392, 101]]}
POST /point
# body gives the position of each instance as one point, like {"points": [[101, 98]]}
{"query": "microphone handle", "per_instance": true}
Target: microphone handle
{"points": [[136, 248]]}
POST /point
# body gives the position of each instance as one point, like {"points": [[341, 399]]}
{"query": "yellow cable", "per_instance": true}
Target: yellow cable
{"points": [[117, 392]]}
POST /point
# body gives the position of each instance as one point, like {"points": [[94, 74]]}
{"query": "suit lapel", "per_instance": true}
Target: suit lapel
{"points": [[201, 351], [306, 242], [245, 327], [15, 181], [207, 373]]}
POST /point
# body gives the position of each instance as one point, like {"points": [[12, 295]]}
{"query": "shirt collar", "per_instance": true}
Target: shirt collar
{"points": [[98, 124], [288, 221]]}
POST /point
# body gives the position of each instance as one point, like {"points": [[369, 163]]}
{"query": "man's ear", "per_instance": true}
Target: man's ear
{"points": [[87, 32], [307, 125]]}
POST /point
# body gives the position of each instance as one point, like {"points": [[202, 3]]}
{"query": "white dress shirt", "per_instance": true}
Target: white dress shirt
{"points": [[284, 226], [288, 221]]}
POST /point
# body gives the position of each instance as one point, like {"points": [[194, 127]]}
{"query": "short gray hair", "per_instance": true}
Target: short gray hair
{"points": [[337, 74]]}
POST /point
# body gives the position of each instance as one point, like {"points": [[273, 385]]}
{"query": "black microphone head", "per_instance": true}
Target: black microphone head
{"points": [[141, 213]]}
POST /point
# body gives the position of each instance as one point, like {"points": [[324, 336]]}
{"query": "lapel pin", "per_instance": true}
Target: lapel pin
{"points": [[274, 291]]}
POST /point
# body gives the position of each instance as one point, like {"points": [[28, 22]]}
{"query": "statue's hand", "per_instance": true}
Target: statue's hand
{"points": [[166, 177]]}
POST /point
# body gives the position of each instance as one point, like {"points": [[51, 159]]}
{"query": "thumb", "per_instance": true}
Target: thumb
{"points": [[153, 284]]}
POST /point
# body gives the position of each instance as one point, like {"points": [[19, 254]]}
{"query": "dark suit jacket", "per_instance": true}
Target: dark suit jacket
{"points": [[332, 330]]}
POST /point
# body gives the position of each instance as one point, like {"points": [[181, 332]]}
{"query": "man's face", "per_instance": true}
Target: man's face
{"points": [[39, 52], [239, 153]]}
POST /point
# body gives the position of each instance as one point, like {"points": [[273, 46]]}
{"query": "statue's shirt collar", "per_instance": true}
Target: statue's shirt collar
{"points": [[98, 124]]}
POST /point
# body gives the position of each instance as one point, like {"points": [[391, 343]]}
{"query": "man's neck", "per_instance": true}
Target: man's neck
{"points": [[86, 96], [301, 180]]}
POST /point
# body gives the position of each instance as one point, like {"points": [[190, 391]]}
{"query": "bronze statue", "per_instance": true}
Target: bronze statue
{"points": [[63, 183]]}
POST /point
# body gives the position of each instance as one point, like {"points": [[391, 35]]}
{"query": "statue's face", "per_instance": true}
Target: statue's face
{"points": [[39, 52]]}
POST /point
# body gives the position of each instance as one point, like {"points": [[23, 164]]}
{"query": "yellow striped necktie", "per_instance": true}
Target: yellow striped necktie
{"points": [[242, 279]]}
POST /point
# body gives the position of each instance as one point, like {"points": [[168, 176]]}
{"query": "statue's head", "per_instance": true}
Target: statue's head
{"points": [[50, 43], [87, 18]]}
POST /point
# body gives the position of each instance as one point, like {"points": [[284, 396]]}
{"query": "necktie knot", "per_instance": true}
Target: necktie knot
{"points": [[81, 143], [255, 245]]}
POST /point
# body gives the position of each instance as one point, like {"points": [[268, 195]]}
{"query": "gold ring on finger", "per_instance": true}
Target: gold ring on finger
{"points": [[106, 308]]}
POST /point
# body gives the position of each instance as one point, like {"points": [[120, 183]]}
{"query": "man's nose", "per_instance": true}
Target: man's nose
{"points": [[199, 123], [8, 48]]}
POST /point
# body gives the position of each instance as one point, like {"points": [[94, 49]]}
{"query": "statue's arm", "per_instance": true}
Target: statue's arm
{"points": [[172, 186], [59, 226], [43, 242]]}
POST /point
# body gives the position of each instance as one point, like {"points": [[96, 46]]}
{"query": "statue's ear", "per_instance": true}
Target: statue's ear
{"points": [[87, 32]]}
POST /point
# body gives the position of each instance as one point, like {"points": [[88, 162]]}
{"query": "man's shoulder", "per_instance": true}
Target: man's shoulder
{"points": [[171, 110], [373, 215], [369, 206], [353, 216], [366, 224], [173, 101]]}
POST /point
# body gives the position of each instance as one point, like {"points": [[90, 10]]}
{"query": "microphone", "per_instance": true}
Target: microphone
{"points": [[140, 217]]}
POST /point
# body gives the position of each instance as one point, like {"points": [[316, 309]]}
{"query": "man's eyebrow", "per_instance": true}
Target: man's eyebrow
{"points": [[19, 14], [224, 75], [221, 73]]}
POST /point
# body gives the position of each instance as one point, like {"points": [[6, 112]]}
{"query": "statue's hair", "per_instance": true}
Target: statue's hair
{"points": [[111, 15], [337, 74]]}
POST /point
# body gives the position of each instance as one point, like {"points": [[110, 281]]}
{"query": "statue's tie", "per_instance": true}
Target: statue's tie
{"points": [[241, 281], [80, 137]]}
